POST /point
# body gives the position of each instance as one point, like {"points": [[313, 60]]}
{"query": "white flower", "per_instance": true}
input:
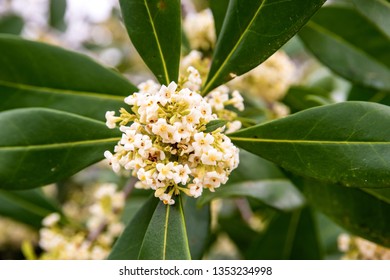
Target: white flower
{"points": [[167, 199], [165, 171], [111, 119], [233, 126], [165, 93], [211, 157], [202, 142], [51, 220], [213, 180], [163, 129], [193, 117], [194, 81], [199, 28], [145, 176], [270, 80], [217, 98], [113, 161], [195, 190], [184, 130], [237, 100], [181, 173], [148, 87]]}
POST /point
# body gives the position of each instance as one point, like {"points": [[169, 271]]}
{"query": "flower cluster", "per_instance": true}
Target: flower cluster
{"points": [[165, 141], [200, 31], [270, 80], [356, 248], [68, 241]]}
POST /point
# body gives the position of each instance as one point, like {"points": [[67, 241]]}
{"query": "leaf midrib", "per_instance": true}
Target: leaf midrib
{"points": [[167, 79], [166, 225], [59, 145], [297, 141], [242, 36], [21, 86]]}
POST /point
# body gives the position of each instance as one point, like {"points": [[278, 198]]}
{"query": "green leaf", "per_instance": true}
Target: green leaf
{"points": [[358, 93], [154, 27], [259, 179], [353, 209], [57, 9], [41, 146], [166, 236], [289, 236], [350, 45], [254, 30], [11, 24], [377, 11], [329, 233], [128, 245], [382, 194], [28, 207], [219, 9], [197, 225], [279, 194], [48, 76], [299, 98], [214, 124], [347, 143], [254, 168]]}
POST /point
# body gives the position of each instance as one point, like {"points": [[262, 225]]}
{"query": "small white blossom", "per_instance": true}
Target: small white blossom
{"points": [[195, 190], [113, 161], [181, 174], [167, 199], [233, 126], [237, 100], [165, 171], [111, 119], [51, 220], [211, 156], [202, 142]]}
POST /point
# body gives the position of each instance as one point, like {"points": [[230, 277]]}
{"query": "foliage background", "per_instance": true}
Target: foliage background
{"points": [[341, 54]]}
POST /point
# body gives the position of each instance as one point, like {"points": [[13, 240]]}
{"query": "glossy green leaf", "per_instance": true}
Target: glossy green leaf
{"points": [[277, 193], [128, 245], [299, 98], [289, 236], [48, 76], [354, 209], [382, 194], [40, 146], [198, 221], [57, 9], [238, 231], [254, 168], [219, 9], [359, 93], [347, 143], [166, 236], [377, 11], [213, 125], [350, 45], [11, 24], [254, 30], [28, 207], [154, 27]]}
